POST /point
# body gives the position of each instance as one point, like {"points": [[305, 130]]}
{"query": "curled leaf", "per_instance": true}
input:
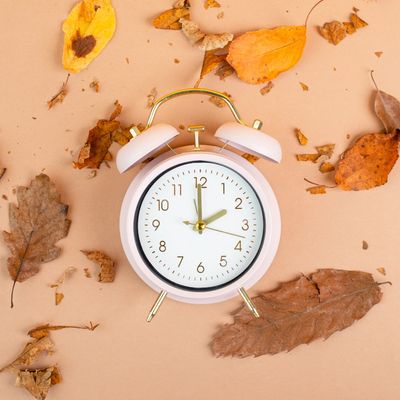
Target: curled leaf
{"points": [[262, 55], [170, 19], [368, 162], [106, 264], [299, 312], [87, 30]]}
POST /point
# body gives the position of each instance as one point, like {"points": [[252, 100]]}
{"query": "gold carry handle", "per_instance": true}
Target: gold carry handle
{"points": [[183, 92]]}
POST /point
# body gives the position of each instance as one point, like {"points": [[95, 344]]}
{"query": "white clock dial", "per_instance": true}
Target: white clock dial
{"points": [[203, 256]]}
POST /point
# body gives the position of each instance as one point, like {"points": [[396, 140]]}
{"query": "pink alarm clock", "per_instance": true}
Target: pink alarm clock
{"points": [[199, 224]]}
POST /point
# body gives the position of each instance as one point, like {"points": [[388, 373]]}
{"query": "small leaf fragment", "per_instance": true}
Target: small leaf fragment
{"points": [[170, 19], [334, 32], [58, 297], [304, 86], [357, 21], [59, 97], [211, 4], [307, 157], [326, 167], [364, 245], [250, 158], [326, 149], [381, 270], [224, 71], [95, 85], [106, 264], [319, 189], [378, 53], [301, 137], [42, 331], [2, 172], [267, 88]]}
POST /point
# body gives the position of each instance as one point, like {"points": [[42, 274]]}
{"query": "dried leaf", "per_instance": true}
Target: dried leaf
{"points": [[319, 189], [387, 109], [211, 4], [224, 70], [301, 137], [326, 149], [42, 331], [204, 41], [326, 167], [304, 86], [307, 157], [378, 53], [250, 158], [95, 85], [368, 162], [334, 32], [262, 55], [211, 61], [87, 30], [31, 353], [36, 225], [217, 101], [58, 297], [350, 28], [357, 21], [299, 312], [170, 19], [59, 97], [364, 245], [106, 264], [38, 381], [381, 270], [267, 88]]}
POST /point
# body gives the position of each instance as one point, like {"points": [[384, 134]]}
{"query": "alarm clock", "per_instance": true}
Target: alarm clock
{"points": [[199, 223]]}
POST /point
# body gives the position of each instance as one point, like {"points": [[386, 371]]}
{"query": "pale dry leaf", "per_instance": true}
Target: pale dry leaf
{"points": [[68, 272], [37, 223], [59, 97], [267, 88], [38, 381], [387, 109], [298, 312], [106, 264], [368, 162], [326, 149], [301, 137], [204, 41], [318, 189], [381, 270]]}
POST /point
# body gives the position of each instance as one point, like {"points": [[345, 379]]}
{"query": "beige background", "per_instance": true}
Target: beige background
{"points": [[169, 359]]}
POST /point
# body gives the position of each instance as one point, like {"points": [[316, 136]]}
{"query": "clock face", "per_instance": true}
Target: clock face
{"points": [[199, 226]]}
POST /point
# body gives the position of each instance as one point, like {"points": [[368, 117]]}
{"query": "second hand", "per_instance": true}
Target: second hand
{"points": [[216, 230]]}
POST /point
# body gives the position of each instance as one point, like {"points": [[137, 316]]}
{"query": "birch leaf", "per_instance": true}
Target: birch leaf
{"points": [[299, 312]]}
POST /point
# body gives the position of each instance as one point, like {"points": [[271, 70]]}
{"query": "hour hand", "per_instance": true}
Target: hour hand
{"points": [[214, 217]]}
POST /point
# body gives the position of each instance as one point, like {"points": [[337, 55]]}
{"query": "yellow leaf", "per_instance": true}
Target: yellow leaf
{"points": [[87, 30], [262, 55]]}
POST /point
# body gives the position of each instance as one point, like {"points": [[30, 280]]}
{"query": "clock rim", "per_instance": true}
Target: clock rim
{"points": [[260, 185]]}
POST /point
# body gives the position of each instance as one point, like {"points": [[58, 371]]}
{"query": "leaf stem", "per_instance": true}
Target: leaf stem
{"points": [[312, 9], [373, 79]]}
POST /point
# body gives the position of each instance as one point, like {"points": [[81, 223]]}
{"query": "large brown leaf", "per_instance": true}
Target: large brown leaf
{"points": [[368, 162], [37, 223], [387, 108], [298, 312]]}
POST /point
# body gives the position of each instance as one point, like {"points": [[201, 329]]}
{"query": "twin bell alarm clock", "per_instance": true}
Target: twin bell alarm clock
{"points": [[199, 223]]}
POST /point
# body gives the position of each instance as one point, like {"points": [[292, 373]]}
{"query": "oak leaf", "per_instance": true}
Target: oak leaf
{"points": [[368, 162], [170, 19], [38, 381], [87, 30], [262, 55], [37, 223], [106, 264], [298, 312]]}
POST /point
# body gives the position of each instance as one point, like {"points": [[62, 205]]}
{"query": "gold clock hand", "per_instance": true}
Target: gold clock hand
{"points": [[214, 217], [200, 224], [216, 230]]}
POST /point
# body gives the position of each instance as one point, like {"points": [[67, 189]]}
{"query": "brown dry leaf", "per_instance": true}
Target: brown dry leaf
{"points": [[87, 272], [87, 30], [326, 167], [262, 55], [387, 109], [106, 264], [170, 19], [211, 61], [31, 353], [381, 270], [298, 312], [58, 297], [95, 85], [304, 86], [250, 158], [368, 162], [364, 245], [378, 53], [308, 157], [151, 97], [38, 381], [319, 189], [217, 101], [42, 331], [334, 32], [326, 149], [301, 137], [267, 88], [37, 223], [211, 4], [357, 21], [205, 41], [350, 28], [224, 71], [59, 97]]}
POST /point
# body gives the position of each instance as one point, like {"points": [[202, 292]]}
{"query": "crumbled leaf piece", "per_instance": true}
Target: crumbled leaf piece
{"points": [[211, 4], [220, 15], [59, 97], [387, 109], [319, 189], [262, 55], [151, 97], [204, 41], [176, 60], [224, 70], [44, 330], [31, 353], [38, 381], [298, 312], [2, 172], [250, 158], [87, 272], [364, 245], [326, 149], [357, 21], [66, 275], [217, 101], [87, 30], [381, 270], [368, 162], [350, 28], [301, 137], [58, 297], [37, 223], [378, 53], [106, 264], [122, 136], [267, 88], [334, 32], [304, 86], [170, 19], [307, 157], [326, 167], [95, 85]]}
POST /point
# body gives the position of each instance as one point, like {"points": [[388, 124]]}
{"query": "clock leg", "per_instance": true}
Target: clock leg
{"points": [[248, 302], [156, 305]]}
